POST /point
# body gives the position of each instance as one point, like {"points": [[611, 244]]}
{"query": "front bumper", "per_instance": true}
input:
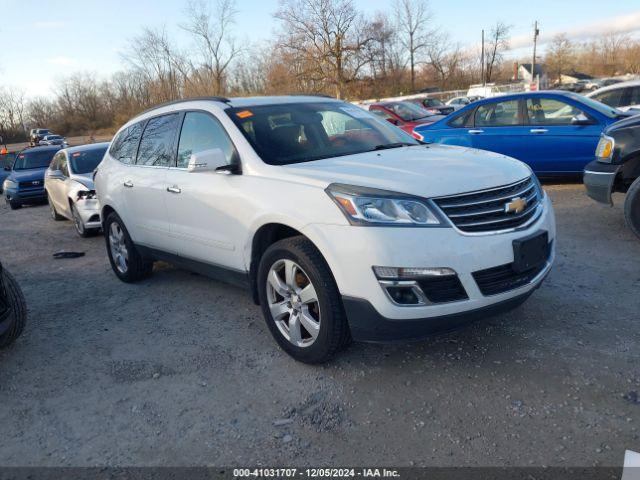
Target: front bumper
{"points": [[351, 252], [599, 179], [22, 195], [89, 211]]}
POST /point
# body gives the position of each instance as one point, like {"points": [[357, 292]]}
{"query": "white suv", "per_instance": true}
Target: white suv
{"points": [[342, 226]]}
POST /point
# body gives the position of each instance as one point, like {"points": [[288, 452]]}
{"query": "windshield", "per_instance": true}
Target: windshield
{"points": [[87, 160], [598, 106], [301, 132], [409, 112], [433, 102], [28, 160], [53, 137]]}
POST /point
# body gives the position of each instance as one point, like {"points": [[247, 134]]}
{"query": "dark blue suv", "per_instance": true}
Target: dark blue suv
{"points": [[25, 183]]}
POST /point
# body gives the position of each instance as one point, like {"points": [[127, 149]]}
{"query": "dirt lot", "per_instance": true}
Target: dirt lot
{"points": [[181, 370]]}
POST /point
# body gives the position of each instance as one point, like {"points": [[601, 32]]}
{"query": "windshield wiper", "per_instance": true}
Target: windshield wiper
{"points": [[386, 146]]}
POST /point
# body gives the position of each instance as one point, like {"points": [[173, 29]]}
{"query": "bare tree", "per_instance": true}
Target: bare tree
{"points": [[413, 19], [560, 55], [498, 44], [326, 37], [12, 112], [212, 34]]}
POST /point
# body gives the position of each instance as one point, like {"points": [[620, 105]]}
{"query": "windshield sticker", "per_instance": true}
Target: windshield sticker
{"points": [[355, 112], [244, 114]]}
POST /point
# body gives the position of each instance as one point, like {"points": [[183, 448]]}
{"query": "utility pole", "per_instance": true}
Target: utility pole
{"points": [[536, 32], [482, 59]]}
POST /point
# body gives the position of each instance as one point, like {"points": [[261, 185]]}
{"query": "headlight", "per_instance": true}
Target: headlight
{"points": [[604, 150], [9, 184], [365, 206], [86, 194]]}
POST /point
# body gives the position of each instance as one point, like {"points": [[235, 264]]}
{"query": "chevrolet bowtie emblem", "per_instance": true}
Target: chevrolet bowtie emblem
{"points": [[516, 205]]}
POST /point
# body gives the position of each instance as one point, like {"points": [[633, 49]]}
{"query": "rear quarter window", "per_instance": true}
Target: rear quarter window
{"points": [[124, 146]]}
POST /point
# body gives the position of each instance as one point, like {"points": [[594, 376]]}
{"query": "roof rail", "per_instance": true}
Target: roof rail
{"points": [[182, 100]]}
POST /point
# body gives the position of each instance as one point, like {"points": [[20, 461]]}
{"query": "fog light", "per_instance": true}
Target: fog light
{"points": [[411, 272], [403, 295]]}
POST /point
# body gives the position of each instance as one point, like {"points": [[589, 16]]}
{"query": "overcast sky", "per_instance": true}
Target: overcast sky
{"points": [[42, 41]]}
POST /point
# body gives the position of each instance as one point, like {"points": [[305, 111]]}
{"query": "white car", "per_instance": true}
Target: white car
{"points": [[624, 96], [53, 140], [341, 225], [68, 183]]}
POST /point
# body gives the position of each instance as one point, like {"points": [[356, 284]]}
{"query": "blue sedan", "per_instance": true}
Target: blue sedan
{"points": [[555, 133]]}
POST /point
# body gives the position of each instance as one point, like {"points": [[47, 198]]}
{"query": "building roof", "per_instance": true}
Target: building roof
{"points": [[540, 70]]}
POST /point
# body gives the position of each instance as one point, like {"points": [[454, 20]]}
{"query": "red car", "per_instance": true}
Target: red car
{"points": [[405, 115]]}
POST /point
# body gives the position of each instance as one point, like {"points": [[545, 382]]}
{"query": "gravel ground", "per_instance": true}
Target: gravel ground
{"points": [[181, 370]]}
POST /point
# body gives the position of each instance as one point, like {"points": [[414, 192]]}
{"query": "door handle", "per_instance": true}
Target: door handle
{"points": [[475, 132], [174, 189], [538, 130], [128, 184]]}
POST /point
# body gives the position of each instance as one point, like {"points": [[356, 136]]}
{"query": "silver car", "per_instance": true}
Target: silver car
{"points": [[69, 185]]}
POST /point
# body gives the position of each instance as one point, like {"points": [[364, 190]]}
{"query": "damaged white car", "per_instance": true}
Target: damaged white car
{"points": [[69, 186]]}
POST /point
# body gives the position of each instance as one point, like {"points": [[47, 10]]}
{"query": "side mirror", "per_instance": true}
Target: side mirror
{"points": [[580, 119], [7, 168], [207, 161]]}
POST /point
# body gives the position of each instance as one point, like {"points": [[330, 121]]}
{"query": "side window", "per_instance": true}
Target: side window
{"points": [[157, 143], [124, 147], [202, 131], [547, 111], [611, 98], [384, 115], [635, 96], [460, 121], [62, 165], [500, 114], [55, 163]]}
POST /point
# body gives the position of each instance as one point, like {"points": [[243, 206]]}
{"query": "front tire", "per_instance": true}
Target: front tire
{"points": [[14, 205], [17, 310], [632, 207], [300, 301], [78, 223], [127, 263]]}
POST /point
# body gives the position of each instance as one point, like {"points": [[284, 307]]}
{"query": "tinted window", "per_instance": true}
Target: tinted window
{"points": [[86, 161], [55, 163], [125, 144], [62, 165], [157, 144], [201, 131], [635, 96], [460, 120], [300, 132], [37, 159], [407, 111], [498, 114], [611, 98], [547, 111]]}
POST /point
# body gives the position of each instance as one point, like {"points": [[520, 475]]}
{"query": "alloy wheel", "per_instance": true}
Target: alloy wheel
{"points": [[118, 247], [293, 302]]}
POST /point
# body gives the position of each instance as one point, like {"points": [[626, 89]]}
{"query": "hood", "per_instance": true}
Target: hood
{"points": [[632, 121], [426, 170], [85, 179], [28, 175]]}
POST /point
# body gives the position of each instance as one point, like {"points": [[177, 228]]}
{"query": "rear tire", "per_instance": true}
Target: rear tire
{"points": [[18, 308], [126, 261], [53, 211], [632, 207], [333, 332]]}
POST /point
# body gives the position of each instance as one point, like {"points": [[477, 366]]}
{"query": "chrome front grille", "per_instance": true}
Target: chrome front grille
{"points": [[489, 211]]}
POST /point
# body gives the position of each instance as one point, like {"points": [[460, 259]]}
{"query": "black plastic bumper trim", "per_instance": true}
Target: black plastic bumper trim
{"points": [[599, 179]]}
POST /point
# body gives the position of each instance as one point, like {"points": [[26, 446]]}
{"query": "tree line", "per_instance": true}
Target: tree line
{"points": [[321, 46]]}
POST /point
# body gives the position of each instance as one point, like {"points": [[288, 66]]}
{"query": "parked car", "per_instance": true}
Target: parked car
{"points": [[69, 186], [13, 310], [6, 164], [555, 133], [623, 96], [37, 134], [53, 140], [434, 105], [617, 169], [405, 115], [25, 183], [459, 102], [341, 225]]}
